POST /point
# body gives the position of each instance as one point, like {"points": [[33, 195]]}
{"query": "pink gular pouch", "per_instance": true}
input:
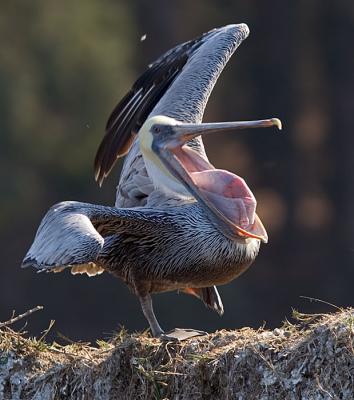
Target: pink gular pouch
{"points": [[226, 192]]}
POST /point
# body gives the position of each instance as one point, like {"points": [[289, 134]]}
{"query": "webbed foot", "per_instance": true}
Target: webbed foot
{"points": [[179, 335]]}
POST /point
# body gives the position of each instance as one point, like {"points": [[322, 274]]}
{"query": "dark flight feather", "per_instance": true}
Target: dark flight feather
{"points": [[131, 112]]}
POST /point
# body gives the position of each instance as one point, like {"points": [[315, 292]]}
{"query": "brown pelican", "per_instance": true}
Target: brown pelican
{"points": [[178, 222]]}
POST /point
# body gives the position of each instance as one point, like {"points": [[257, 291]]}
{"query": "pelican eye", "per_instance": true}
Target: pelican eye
{"points": [[156, 129]]}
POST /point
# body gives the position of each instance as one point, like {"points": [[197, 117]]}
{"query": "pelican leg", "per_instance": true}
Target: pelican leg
{"points": [[146, 305], [174, 335]]}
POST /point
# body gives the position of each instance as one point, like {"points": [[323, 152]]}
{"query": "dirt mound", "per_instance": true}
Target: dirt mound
{"points": [[312, 359]]}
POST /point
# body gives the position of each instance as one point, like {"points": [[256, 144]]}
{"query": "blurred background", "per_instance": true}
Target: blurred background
{"points": [[63, 67]]}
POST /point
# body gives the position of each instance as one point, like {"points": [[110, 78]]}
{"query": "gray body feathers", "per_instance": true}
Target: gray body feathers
{"points": [[151, 249]]}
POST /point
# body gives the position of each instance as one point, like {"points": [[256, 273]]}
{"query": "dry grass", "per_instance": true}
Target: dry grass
{"points": [[310, 360]]}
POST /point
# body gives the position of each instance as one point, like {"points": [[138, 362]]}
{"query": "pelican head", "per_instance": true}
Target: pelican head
{"points": [[176, 167]]}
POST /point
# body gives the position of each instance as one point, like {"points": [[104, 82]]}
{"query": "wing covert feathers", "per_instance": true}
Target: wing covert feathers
{"points": [[66, 237], [178, 85], [72, 234]]}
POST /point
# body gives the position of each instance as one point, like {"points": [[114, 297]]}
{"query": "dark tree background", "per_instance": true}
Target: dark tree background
{"points": [[63, 67]]}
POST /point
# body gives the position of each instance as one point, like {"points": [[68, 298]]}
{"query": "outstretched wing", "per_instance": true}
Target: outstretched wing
{"points": [[177, 85], [72, 234], [66, 237]]}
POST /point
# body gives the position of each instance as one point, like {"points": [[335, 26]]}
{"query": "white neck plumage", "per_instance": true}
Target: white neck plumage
{"points": [[162, 179]]}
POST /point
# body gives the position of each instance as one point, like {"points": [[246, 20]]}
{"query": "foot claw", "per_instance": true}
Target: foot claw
{"points": [[178, 334]]}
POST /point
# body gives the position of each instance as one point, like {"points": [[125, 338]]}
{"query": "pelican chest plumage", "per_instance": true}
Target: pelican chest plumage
{"points": [[178, 222]]}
